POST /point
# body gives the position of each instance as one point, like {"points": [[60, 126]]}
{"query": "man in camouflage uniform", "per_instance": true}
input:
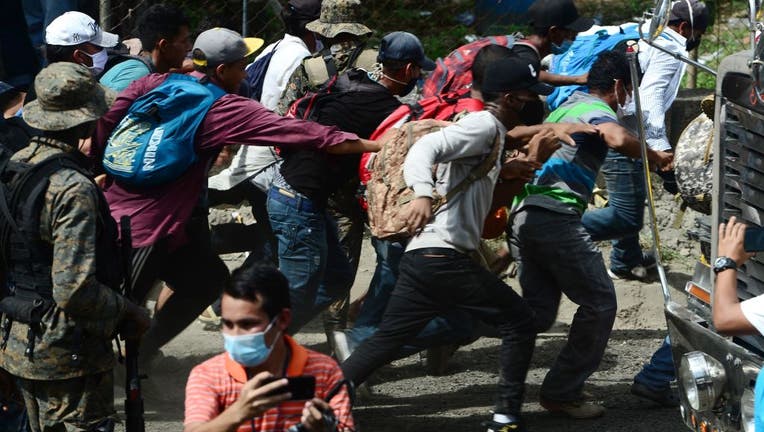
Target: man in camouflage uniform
{"points": [[344, 37], [63, 361]]}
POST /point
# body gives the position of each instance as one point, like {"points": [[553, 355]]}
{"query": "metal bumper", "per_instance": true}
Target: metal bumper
{"points": [[690, 332]]}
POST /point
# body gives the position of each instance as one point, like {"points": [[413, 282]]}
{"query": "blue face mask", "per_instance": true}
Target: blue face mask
{"points": [[560, 49], [249, 350]]}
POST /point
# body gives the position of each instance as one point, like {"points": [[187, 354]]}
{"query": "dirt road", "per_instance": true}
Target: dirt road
{"points": [[405, 399]]}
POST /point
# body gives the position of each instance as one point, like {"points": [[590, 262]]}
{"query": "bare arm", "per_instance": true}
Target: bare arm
{"points": [[621, 140], [562, 80], [727, 314]]}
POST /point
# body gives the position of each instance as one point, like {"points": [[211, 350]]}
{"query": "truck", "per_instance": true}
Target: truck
{"points": [[716, 374]]}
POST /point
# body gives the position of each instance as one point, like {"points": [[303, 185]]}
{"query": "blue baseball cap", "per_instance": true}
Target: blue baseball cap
{"points": [[404, 46]]}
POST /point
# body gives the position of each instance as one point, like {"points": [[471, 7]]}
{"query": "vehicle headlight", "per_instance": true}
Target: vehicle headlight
{"points": [[746, 411], [702, 378]]}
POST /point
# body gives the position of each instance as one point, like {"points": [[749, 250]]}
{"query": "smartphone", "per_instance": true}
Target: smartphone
{"points": [[301, 387], [754, 239]]}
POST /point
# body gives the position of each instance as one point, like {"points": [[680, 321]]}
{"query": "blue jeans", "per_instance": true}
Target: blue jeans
{"points": [[621, 220], [453, 326], [660, 371], [310, 255]]}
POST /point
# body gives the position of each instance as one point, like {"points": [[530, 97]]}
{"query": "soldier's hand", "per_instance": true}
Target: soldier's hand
{"points": [[258, 395], [419, 214], [136, 321]]}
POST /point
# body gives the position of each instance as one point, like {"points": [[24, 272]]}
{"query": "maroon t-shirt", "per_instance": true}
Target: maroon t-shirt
{"points": [[163, 211]]}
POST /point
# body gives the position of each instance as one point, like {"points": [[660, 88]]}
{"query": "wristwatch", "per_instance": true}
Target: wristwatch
{"points": [[723, 263]]}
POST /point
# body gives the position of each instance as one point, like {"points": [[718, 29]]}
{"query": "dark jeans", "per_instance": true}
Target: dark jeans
{"points": [[456, 327], [556, 255], [431, 282], [659, 373], [621, 220], [193, 271]]}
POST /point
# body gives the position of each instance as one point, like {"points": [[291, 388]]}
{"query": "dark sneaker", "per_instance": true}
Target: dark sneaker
{"points": [[666, 396], [648, 261], [494, 426], [579, 409]]}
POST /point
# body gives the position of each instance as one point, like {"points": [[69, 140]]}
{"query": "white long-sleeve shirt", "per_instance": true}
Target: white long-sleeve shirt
{"points": [[251, 160], [456, 150], [659, 87]]}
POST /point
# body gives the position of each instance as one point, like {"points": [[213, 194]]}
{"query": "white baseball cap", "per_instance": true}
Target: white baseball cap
{"points": [[74, 28]]}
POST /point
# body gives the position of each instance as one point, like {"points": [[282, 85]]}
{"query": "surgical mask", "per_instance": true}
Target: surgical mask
{"points": [[248, 350], [560, 49], [319, 44], [99, 61]]}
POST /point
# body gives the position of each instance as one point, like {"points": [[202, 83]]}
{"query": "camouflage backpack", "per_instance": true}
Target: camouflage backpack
{"points": [[693, 164], [387, 193]]}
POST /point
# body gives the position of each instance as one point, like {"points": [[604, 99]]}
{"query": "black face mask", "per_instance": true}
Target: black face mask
{"points": [[691, 44]]}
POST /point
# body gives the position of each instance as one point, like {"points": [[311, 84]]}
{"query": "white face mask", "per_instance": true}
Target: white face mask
{"points": [[621, 110], [99, 61]]}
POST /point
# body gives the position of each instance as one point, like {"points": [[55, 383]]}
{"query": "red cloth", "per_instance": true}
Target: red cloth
{"points": [[163, 211]]}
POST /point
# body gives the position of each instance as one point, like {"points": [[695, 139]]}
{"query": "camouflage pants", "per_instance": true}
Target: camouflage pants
{"points": [[78, 404], [344, 208]]}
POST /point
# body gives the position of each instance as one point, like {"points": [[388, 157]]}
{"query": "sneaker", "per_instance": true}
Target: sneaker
{"points": [[340, 344], [494, 426], [638, 272], [666, 396], [210, 319], [579, 409]]}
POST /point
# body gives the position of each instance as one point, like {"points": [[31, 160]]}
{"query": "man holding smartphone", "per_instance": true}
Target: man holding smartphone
{"points": [[264, 381]]}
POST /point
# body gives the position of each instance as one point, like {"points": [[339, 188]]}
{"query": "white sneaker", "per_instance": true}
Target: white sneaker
{"points": [[339, 341]]}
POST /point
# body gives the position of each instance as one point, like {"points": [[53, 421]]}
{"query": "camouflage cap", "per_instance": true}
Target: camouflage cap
{"points": [[339, 16], [67, 95]]}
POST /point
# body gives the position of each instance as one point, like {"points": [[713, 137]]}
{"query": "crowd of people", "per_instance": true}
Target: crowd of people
{"points": [[100, 136]]}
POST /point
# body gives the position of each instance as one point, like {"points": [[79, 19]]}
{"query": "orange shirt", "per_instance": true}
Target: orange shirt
{"points": [[215, 384]]}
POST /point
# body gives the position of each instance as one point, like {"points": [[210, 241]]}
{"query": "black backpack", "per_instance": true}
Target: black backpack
{"points": [[309, 106], [256, 73]]}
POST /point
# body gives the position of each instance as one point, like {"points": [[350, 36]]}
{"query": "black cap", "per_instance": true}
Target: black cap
{"points": [[558, 13], [692, 11], [404, 46], [305, 9], [514, 73]]}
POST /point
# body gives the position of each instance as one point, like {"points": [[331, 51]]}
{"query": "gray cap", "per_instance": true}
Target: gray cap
{"points": [[404, 46], [219, 45], [67, 95]]}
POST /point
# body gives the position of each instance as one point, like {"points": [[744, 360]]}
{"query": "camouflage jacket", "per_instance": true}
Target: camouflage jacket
{"points": [[299, 84], [75, 338]]}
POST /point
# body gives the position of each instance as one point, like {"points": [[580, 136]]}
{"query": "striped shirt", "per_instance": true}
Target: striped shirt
{"points": [[215, 384]]}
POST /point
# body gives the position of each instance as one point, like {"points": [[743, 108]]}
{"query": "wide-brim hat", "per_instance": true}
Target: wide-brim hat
{"points": [[67, 96], [339, 16]]}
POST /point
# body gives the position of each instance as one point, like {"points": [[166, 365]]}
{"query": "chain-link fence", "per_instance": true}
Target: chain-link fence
{"points": [[442, 25]]}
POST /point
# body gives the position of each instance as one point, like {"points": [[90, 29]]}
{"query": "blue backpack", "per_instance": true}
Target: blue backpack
{"points": [[154, 143], [256, 73], [578, 59]]}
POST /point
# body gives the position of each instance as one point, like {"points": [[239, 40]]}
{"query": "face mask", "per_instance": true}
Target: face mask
{"points": [[691, 44], [560, 49], [248, 350], [319, 44], [99, 62]]}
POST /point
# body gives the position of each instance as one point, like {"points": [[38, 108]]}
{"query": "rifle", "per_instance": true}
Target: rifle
{"points": [[133, 399]]}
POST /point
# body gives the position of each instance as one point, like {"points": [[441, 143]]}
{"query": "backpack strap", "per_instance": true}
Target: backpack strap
{"points": [[478, 172]]}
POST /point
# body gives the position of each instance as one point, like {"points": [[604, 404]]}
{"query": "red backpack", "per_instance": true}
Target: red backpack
{"points": [[454, 73], [442, 107]]}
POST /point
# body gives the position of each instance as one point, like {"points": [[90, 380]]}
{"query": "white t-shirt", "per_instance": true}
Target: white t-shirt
{"points": [[753, 310]]}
